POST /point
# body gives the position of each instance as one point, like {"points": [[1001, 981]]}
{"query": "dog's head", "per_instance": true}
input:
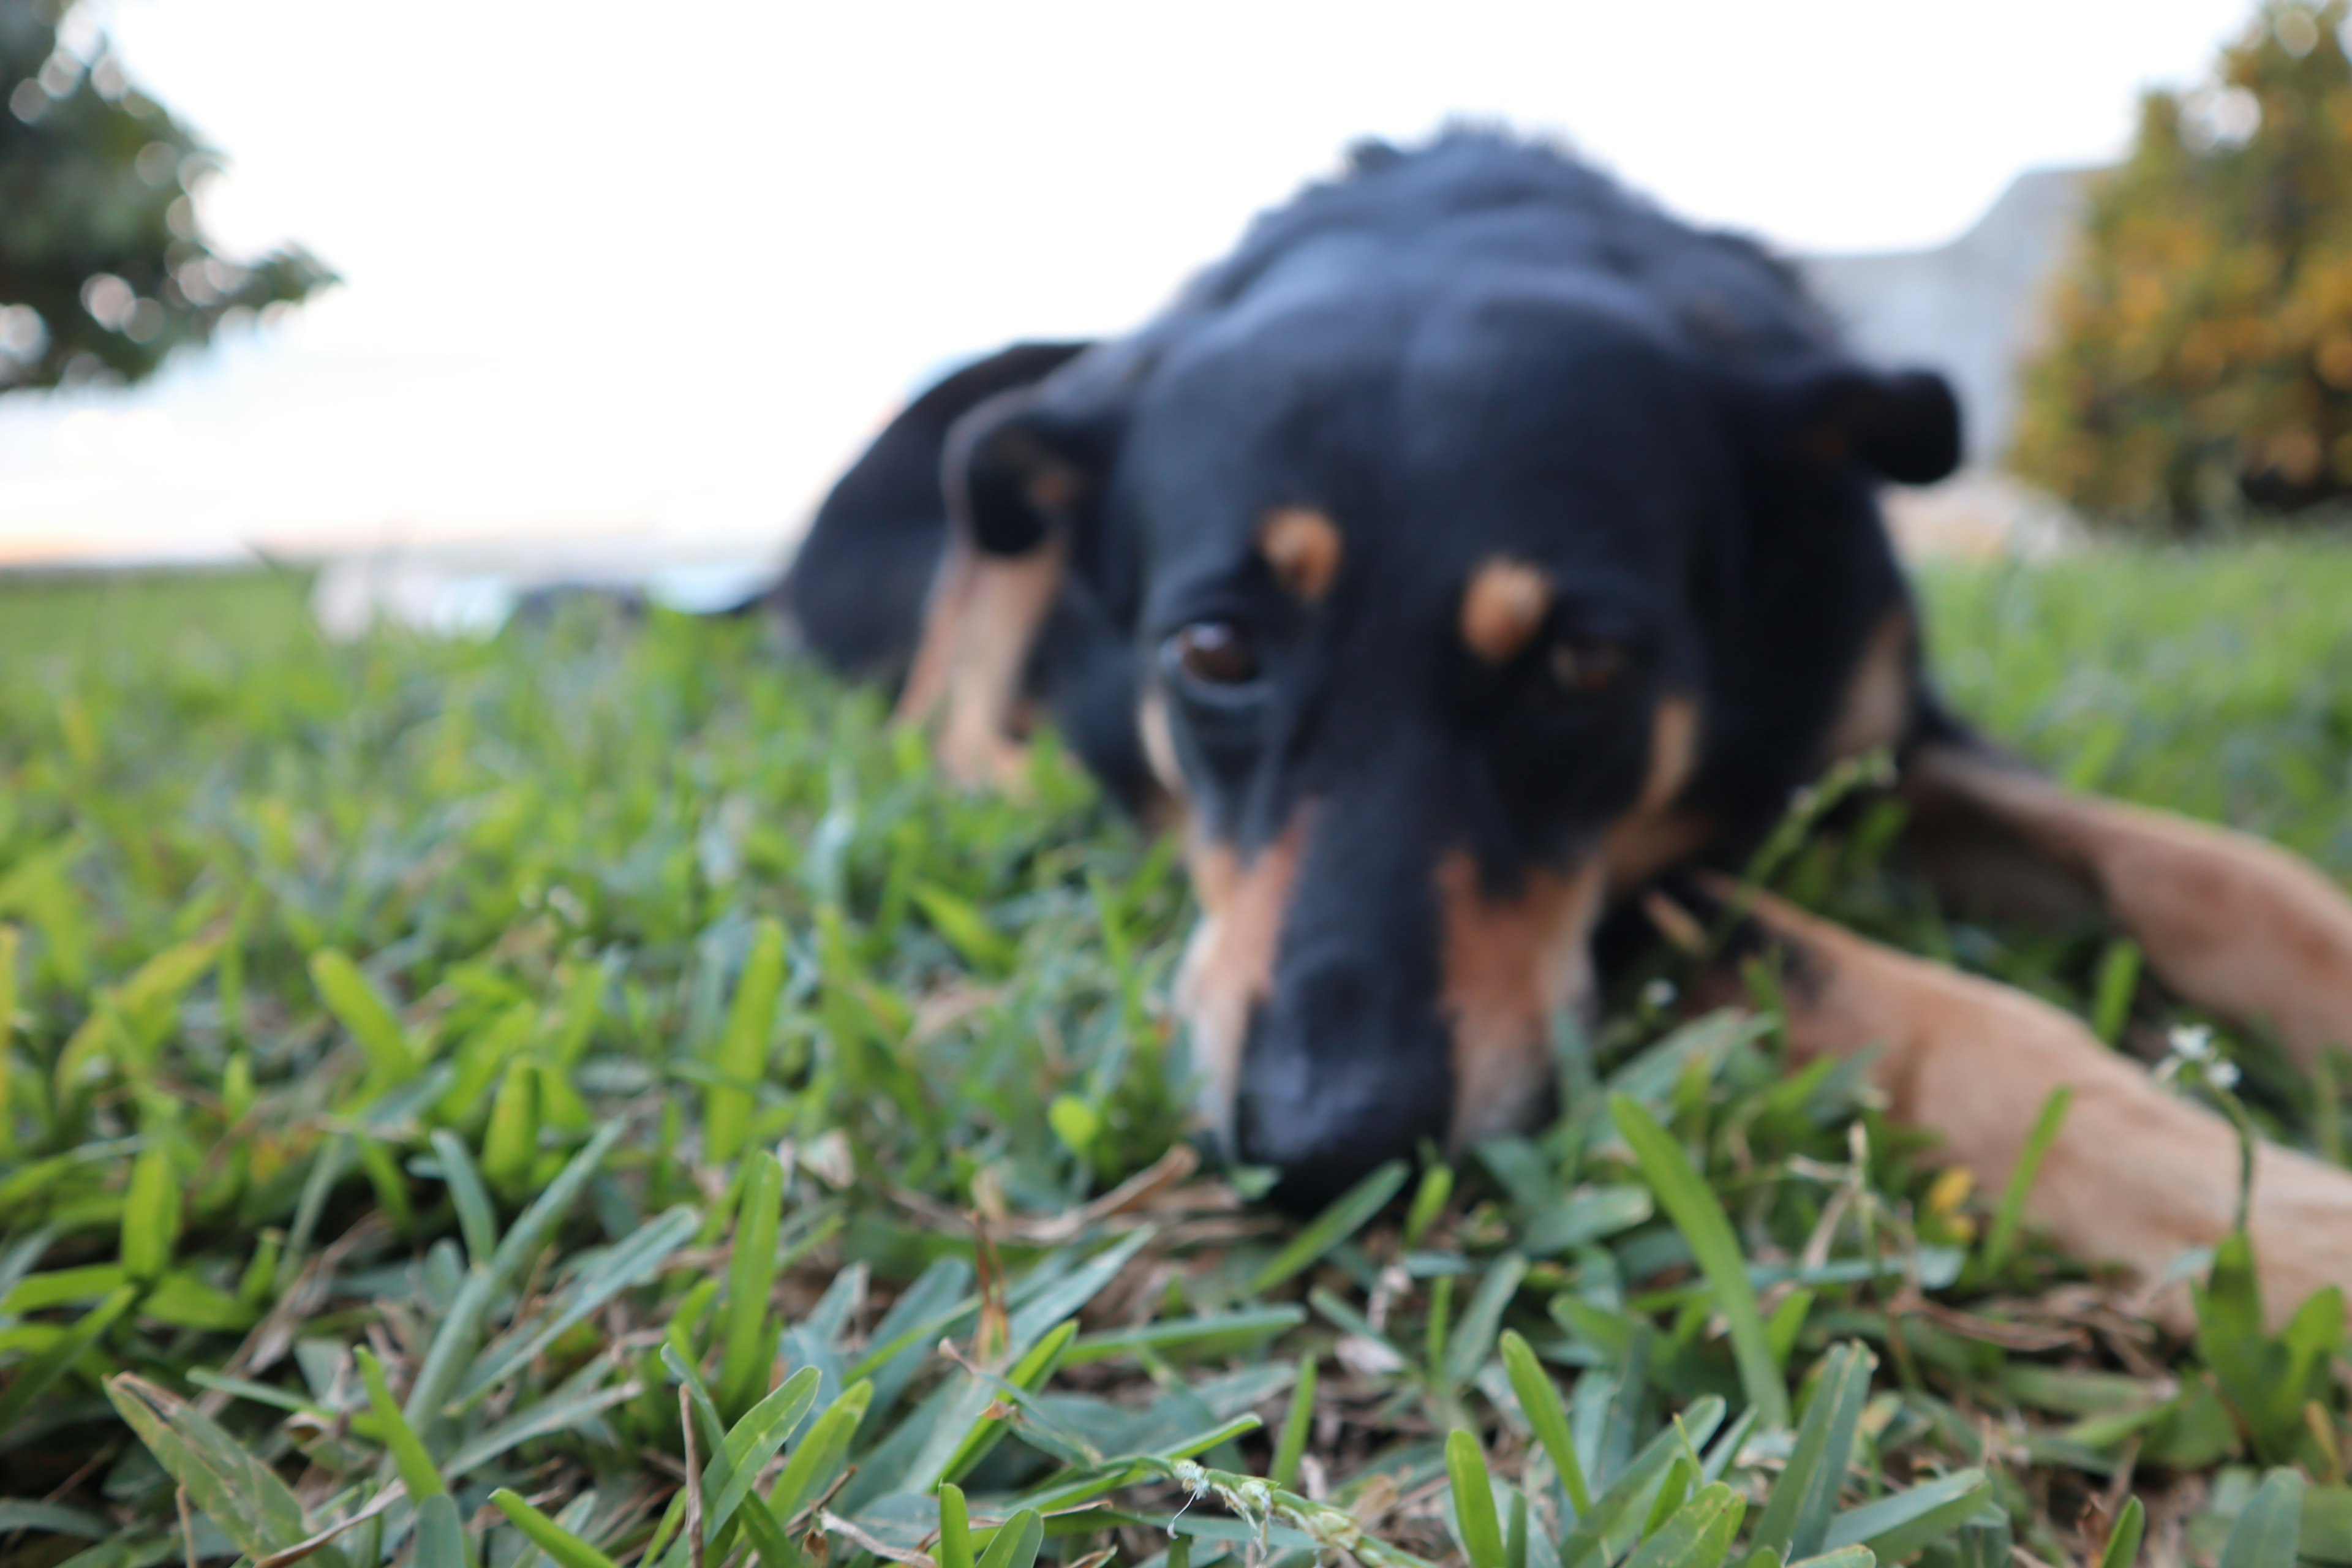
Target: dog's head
{"points": [[1422, 589]]}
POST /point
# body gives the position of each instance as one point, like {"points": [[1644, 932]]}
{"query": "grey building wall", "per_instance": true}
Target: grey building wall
{"points": [[1972, 309]]}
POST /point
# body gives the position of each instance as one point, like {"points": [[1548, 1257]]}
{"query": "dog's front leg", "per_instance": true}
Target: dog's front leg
{"points": [[2227, 922], [2136, 1175]]}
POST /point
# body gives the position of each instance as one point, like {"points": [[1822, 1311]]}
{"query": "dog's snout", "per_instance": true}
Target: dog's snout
{"points": [[1342, 1071]]}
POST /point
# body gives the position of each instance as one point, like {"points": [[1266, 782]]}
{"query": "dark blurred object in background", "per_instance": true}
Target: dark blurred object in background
{"points": [[103, 269], [2199, 359]]}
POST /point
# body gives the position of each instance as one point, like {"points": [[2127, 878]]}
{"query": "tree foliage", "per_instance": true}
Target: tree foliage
{"points": [[2200, 360], [104, 268]]}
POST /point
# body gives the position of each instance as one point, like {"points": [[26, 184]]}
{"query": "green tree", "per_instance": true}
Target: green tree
{"points": [[104, 269], [2200, 360]]}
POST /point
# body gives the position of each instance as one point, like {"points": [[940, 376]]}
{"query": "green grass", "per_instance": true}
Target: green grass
{"points": [[600, 1081], [2216, 682]]}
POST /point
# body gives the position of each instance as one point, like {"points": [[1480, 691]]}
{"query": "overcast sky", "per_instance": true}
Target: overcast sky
{"points": [[660, 267]]}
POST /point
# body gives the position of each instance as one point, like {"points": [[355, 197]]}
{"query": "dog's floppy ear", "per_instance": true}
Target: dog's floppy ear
{"points": [[1028, 464], [1903, 425]]}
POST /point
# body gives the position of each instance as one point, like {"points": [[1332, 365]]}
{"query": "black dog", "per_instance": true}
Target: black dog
{"points": [[1473, 547]]}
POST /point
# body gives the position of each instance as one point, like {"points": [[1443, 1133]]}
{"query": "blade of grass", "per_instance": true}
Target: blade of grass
{"points": [[1592, 1540], [1016, 1543], [1693, 1207], [1212, 1333], [2001, 1239], [2112, 993], [567, 1548], [1349, 1213], [1292, 1445], [440, 1534], [1697, 1535], [39, 1375], [459, 1334], [151, 1215], [1796, 1515], [2122, 1550], [825, 1446], [627, 1264], [955, 1528], [539, 1420], [754, 1440], [1428, 1202], [751, 1276], [2269, 1533], [1027, 1375], [741, 1058], [365, 1015], [477, 1219], [1473, 1501], [1473, 1338], [400, 1440], [252, 1506], [1539, 1399], [1894, 1527]]}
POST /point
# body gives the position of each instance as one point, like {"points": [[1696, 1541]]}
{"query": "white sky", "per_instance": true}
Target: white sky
{"points": [[660, 267]]}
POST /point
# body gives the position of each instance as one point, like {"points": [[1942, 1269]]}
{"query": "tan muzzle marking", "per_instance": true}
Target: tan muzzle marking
{"points": [[1509, 963], [1228, 965]]}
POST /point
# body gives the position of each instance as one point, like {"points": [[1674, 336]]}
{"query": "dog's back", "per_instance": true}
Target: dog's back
{"points": [[1476, 198]]}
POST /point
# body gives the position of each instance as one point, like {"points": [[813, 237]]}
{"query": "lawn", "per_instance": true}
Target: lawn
{"points": [[593, 1096]]}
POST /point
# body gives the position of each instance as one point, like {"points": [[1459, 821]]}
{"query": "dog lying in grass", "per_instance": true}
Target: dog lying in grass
{"points": [[1472, 565]]}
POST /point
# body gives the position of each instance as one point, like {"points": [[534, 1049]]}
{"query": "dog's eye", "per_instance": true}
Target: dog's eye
{"points": [[1585, 667], [1215, 653]]}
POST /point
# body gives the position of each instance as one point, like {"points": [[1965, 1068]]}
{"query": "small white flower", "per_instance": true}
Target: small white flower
{"points": [[1659, 995], [2222, 1074], [2193, 1042]]}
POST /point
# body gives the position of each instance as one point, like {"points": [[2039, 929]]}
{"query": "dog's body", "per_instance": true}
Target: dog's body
{"points": [[1473, 549]]}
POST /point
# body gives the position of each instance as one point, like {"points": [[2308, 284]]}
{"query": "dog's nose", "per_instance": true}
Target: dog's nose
{"points": [[1341, 1071]]}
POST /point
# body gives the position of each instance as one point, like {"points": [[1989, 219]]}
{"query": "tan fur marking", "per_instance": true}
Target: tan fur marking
{"points": [[1160, 742], [1303, 547], [1170, 805], [2136, 1177], [1508, 964], [976, 639], [1674, 753], [1876, 708], [1654, 834], [2229, 922], [1506, 601], [943, 617], [1228, 964]]}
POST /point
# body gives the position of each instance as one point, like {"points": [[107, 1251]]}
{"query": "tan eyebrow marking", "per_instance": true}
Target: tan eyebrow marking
{"points": [[1506, 601], [1303, 547]]}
